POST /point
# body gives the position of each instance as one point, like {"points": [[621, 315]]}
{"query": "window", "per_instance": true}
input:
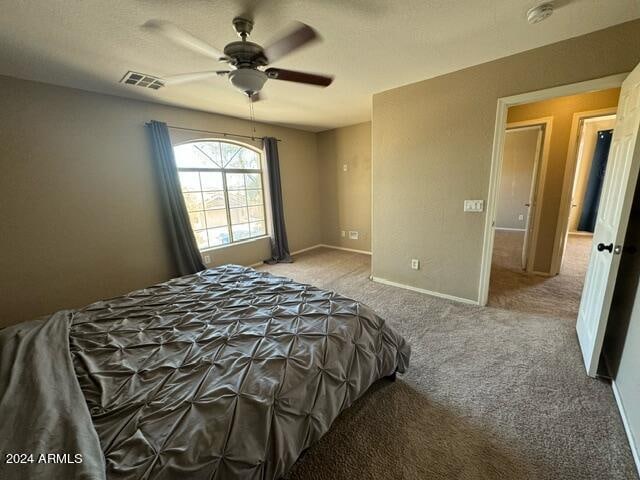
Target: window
{"points": [[222, 188]]}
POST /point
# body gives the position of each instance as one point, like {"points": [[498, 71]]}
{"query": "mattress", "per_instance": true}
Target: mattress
{"points": [[230, 373]]}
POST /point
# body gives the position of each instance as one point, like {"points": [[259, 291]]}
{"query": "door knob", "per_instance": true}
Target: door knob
{"points": [[602, 247]]}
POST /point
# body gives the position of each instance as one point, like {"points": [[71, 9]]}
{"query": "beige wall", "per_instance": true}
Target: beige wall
{"points": [[346, 195], [432, 143], [78, 202], [521, 148], [586, 149], [561, 110]]}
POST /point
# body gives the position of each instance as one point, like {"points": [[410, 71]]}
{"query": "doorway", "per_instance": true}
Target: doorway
{"points": [[517, 195], [592, 133], [594, 142], [554, 150]]}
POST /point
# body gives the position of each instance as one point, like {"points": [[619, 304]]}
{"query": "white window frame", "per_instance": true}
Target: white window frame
{"points": [[223, 171]]}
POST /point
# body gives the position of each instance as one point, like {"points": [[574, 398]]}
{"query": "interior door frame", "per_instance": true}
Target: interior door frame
{"points": [[537, 181], [562, 228], [503, 104]]}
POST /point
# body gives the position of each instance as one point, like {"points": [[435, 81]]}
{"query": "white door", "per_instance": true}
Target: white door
{"points": [[531, 203], [611, 224], [517, 187]]}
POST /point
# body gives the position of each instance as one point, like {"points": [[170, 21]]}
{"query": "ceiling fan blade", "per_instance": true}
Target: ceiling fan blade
{"points": [[300, 35], [192, 77], [183, 38], [298, 77]]}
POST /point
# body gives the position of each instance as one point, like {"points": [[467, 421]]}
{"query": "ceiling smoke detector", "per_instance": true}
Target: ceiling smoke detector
{"points": [[539, 13]]}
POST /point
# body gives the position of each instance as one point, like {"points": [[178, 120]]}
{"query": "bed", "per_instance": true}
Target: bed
{"points": [[230, 373]]}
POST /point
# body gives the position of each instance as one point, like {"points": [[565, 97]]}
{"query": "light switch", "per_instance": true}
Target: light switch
{"points": [[473, 205]]}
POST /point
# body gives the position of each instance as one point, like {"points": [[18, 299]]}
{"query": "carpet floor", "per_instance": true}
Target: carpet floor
{"points": [[515, 290], [490, 393]]}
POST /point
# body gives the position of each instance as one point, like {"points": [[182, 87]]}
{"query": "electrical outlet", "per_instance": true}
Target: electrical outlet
{"points": [[415, 264], [353, 235], [345, 167], [207, 259], [343, 233], [520, 217]]}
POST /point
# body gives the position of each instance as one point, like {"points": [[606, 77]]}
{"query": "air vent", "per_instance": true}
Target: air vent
{"points": [[142, 80]]}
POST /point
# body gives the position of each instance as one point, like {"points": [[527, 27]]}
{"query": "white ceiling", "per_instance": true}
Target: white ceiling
{"points": [[369, 45]]}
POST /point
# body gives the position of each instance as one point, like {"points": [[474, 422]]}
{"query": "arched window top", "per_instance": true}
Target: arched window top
{"points": [[216, 155]]}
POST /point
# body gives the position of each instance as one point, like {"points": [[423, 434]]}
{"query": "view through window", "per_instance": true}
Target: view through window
{"points": [[222, 188]]}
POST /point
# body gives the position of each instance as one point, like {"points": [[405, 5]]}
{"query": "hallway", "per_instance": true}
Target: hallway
{"points": [[512, 289]]}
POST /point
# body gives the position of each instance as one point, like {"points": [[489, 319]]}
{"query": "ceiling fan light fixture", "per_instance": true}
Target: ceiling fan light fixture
{"points": [[248, 80]]}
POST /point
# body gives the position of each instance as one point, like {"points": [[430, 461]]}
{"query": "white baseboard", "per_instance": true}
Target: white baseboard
{"points": [[543, 274], [385, 281], [345, 249], [324, 245], [627, 428], [510, 229], [313, 247], [320, 245], [292, 253], [422, 290]]}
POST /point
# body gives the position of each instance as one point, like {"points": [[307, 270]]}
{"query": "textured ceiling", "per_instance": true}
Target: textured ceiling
{"points": [[369, 45]]}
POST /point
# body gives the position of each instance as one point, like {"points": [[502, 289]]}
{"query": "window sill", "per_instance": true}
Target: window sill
{"points": [[234, 244]]}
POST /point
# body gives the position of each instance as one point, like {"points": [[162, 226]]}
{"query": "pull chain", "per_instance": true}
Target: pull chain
{"points": [[252, 119]]}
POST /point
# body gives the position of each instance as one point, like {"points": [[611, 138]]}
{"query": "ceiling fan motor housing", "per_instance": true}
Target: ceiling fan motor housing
{"points": [[248, 80], [245, 54]]}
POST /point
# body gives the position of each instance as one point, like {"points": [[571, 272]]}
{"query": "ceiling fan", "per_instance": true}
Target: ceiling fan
{"points": [[246, 59]]}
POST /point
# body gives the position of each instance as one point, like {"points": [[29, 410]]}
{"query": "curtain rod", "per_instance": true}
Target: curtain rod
{"points": [[225, 134]]}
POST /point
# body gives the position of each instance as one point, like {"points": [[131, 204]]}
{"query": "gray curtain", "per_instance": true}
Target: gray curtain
{"points": [[591, 200], [182, 241], [279, 244]]}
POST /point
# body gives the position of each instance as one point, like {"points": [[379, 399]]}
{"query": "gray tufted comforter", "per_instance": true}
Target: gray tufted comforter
{"points": [[227, 374]]}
